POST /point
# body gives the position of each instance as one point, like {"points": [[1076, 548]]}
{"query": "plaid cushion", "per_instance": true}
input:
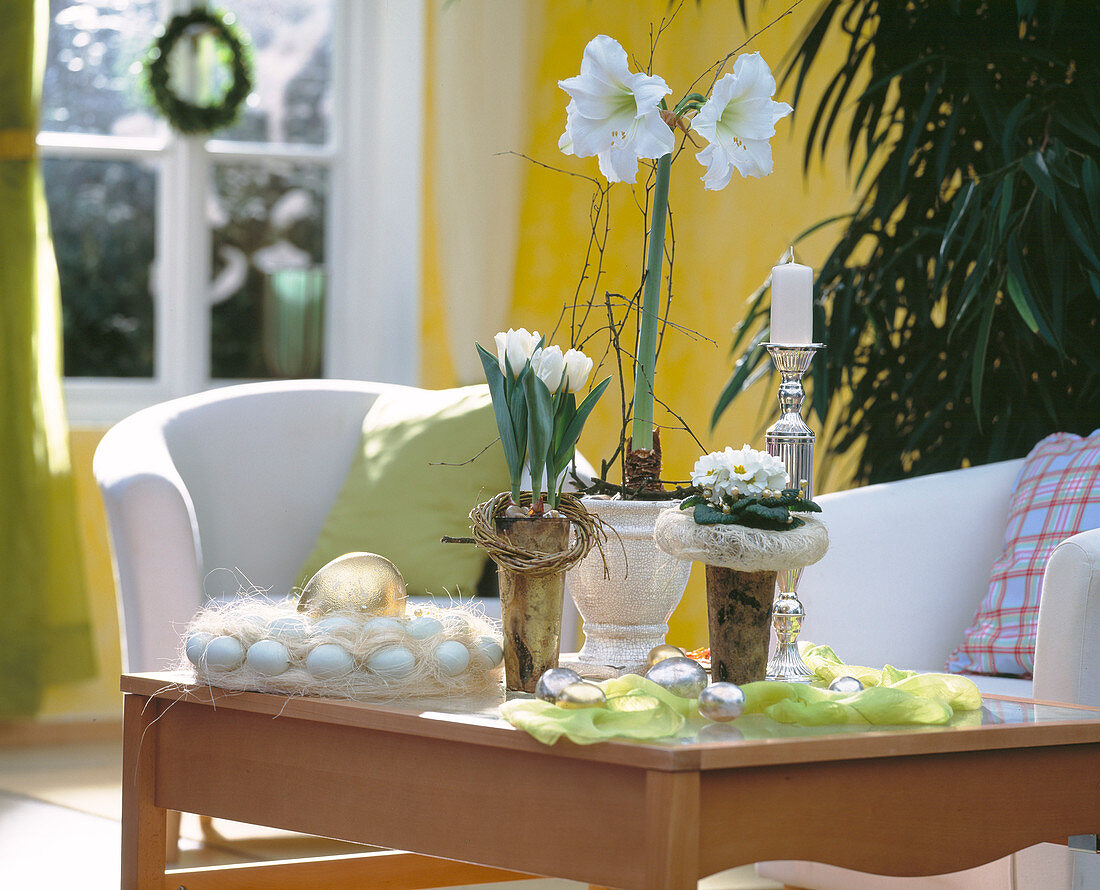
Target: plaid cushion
{"points": [[1057, 495]]}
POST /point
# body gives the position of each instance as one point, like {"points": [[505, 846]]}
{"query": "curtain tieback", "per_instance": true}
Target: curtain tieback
{"points": [[17, 145]]}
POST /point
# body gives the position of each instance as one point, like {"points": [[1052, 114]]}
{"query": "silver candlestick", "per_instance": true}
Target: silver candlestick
{"points": [[792, 441]]}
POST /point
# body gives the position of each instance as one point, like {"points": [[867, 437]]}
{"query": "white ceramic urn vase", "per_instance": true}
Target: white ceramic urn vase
{"points": [[626, 614]]}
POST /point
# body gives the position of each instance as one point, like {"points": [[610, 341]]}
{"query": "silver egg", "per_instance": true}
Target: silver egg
{"points": [[581, 695], [681, 676], [553, 681], [846, 685], [722, 702], [660, 653]]}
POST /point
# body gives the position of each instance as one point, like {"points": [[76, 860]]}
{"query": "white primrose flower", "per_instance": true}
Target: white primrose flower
{"points": [[577, 368], [614, 114], [753, 471], [711, 474], [744, 472], [514, 348], [549, 366], [737, 121]]}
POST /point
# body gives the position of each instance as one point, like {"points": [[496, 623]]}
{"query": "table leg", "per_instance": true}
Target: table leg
{"points": [[672, 830], [143, 823]]}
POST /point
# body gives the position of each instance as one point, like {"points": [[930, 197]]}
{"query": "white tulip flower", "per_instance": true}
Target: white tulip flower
{"points": [[549, 366], [737, 122], [614, 114], [515, 348], [577, 368]]}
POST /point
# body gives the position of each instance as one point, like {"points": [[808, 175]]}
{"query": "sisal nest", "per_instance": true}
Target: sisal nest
{"points": [[587, 532], [248, 620], [738, 547]]}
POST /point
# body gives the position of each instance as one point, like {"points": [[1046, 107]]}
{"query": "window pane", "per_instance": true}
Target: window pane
{"points": [[102, 216], [292, 49], [266, 218], [92, 81]]}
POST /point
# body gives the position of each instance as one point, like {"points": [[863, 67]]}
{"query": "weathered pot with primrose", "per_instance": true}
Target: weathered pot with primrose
{"points": [[742, 564]]}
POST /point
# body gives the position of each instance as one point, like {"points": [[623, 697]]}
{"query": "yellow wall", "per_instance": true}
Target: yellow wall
{"points": [[725, 241]]}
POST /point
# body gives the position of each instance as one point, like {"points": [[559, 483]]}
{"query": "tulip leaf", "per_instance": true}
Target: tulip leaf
{"points": [[540, 428], [572, 433], [513, 455], [517, 410]]}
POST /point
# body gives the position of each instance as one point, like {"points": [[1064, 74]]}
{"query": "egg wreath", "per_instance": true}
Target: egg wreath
{"points": [[188, 117], [251, 643]]}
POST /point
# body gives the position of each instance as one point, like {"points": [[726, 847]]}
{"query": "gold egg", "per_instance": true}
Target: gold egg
{"points": [[581, 695], [355, 582], [660, 653]]}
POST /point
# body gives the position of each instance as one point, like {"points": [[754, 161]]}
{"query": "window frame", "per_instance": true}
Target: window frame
{"points": [[373, 218]]}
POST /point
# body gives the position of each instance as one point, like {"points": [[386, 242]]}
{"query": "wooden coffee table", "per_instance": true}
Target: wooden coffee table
{"points": [[453, 780]]}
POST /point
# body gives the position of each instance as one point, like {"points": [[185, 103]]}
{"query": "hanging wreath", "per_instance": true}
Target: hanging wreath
{"points": [[185, 116]]}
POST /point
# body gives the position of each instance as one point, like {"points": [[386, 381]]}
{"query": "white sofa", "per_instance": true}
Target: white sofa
{"points": [[232, 483], [907, 567]]}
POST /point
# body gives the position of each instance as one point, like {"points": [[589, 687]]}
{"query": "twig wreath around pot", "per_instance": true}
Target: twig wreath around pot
{"points": [[527, 533], [233, 51], [739, 523]]}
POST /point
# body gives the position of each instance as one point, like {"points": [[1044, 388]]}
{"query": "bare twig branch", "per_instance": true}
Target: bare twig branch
{"points": [[443, 463], [721, 63]]}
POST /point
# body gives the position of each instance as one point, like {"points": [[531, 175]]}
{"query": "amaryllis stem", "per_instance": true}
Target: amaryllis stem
{"points": [[645, 364]]}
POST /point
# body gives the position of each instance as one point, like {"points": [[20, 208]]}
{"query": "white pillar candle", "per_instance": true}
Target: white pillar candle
{"points": [[792, 318]]}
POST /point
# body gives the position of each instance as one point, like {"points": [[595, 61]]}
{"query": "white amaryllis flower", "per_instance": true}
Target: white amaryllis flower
{"points": [[614, 114], [514, 348], [549, 366], [577, 368], [738, 120]]}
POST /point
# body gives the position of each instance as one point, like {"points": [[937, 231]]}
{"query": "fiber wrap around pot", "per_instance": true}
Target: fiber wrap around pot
{"points": [[738, 547], [741, 570]]}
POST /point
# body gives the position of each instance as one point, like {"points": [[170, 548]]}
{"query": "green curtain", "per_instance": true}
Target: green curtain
{"points": [[45, 633]]}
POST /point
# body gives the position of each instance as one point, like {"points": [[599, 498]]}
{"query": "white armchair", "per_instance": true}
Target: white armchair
{"points": [[239, 478], [907, 567]]}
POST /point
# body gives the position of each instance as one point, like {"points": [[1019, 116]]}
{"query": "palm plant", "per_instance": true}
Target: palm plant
{"points": [[960, 303]]}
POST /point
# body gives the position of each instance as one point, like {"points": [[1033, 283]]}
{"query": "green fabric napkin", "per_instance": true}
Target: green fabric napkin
{"points": [[890, 697], [548, 723]]}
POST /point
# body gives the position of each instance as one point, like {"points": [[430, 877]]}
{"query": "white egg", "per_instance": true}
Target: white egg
{"points": [[487, 653], [289, 627], [335, 623], [452, 657], [250, 621], [196, 645], [380, 626], [223, 654], [424, 626], [329, 661], [268, 657], [392, 663]]}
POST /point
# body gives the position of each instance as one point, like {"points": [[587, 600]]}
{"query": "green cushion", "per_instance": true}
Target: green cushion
{"points": [[398, 500]]}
